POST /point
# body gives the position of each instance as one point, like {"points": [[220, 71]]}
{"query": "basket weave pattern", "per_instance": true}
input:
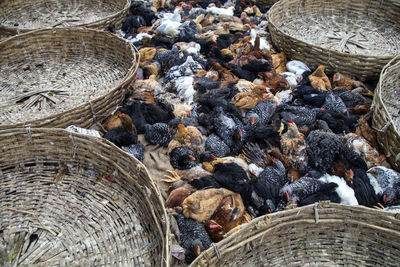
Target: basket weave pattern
{"points": [[59, 77], [59, 207], [326, 234], [353, 37], [19, 16], [386, 116]]}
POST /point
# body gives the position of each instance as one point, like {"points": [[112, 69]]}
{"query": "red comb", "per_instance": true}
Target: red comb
{"points": [[290, 121], [287, 196], [322, 108], [215, 226], [384, 198]]}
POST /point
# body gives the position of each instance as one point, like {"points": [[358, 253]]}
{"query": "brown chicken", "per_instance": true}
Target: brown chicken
{"points": [[279, 62], [241, 44], [182, 110], [253, 52], [274, 81], [361, 109], [145, 96], [338, 168], [152, 68], [319, 80], [119, 119], [224, 73], [358, 143], [293, 145], [202, 204], [367, 132], [344, 81], [227, 216], [189, 137], [146, 54], [248, 100], [178, 195], [210, 166]]}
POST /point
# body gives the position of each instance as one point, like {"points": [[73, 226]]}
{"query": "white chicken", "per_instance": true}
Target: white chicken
{"points": [[184, 87], [170, 23], [263, 42], [297, 67], [220, 11], [290, 77], [345, 192]]}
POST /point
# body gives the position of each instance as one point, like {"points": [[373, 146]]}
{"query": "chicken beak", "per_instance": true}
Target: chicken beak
{"points": [[189, 114], [191, 157], [197, 250], [214, 157], [371, 170]]}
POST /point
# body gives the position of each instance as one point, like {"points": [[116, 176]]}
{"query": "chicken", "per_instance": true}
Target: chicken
{"points": [[150, 84], [255, 155], [182, 158], [227, 216], [217, 146], [361, 109], [224, 73], [178, 195], [193, 236], [345, 193], [297, 67], [261, 114], [146, 54], [145, 96], [136, 150], [119, 120], [274, 81], [326, 192], [189, 137], [322, 148], [334, 103], [279, 62], [357, 143], [121, 137], [386, 183], [248, 100], [338, 168], [319, 80], [344, 81], [158, 133], [300, 115], [293, 145], [202, 204], [366, 131]]}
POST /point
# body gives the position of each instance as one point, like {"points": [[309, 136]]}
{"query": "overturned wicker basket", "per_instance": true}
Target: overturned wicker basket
{"points": [[69, 199], [354, 37], [58, 77], [326, 234], [386, 116], [19, 16]]}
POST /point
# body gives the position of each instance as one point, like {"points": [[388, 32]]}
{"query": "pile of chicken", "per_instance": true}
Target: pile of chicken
{"points": [[248, 132]]}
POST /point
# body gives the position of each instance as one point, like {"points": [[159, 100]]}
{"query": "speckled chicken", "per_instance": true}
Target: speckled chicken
{"points": [[217, 146], [300, 115], [182, 158], [136, 150], [193, 236], [261, 114], [158, 133], [386, 183]]}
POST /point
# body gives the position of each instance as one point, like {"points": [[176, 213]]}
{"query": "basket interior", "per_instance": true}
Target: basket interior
{"points": [[47, 72], [358, 27], [37, 14], [56, 208]]}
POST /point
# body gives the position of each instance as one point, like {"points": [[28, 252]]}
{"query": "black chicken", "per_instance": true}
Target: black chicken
{"points": [[121, 137], [158, 133], [182, 158]]}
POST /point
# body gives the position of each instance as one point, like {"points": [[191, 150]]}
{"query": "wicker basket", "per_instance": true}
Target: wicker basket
{"points": [[58, 77], [354, 37], [19, 16], [326, 234], [71, 199], [386, 116]]}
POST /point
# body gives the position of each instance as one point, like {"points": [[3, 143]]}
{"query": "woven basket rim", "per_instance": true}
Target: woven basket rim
{"points": [[91, 24], [125, 81], [262, 224], [330, 51], [98, 141]]}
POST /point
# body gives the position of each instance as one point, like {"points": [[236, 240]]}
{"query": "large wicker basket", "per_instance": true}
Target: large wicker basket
{"points": [[354, 37], [19, 16], [386, 114], [326, 234], [63, 76], [68, 199]]}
